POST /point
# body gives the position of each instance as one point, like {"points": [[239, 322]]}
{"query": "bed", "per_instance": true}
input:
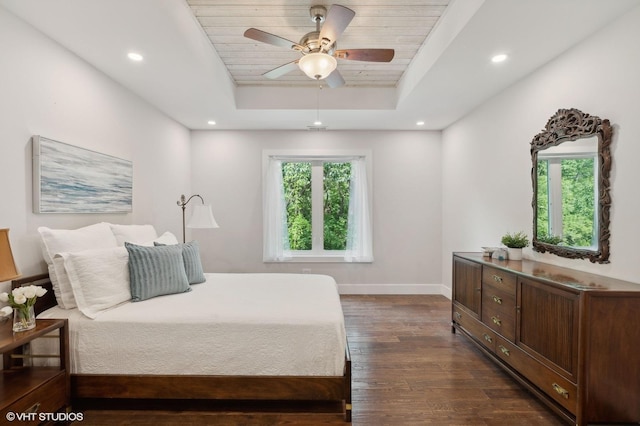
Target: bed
{"points": [[233, 337], [244, 342]]}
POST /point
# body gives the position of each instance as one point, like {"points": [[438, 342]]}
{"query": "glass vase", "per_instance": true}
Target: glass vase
{"points": [[24, 318]]}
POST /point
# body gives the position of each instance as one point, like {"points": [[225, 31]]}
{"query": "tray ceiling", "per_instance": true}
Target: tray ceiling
{"points": [[198, 67], [377, 24]]}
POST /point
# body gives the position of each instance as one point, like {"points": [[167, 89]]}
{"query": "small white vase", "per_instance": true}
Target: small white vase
{"points": [[514, 253]]}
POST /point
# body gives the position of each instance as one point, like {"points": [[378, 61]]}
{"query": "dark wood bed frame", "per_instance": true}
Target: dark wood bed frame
{"points": [[334, 390]]}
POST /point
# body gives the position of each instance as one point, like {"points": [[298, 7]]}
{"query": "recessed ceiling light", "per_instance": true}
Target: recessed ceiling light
{"points": [[420, 123], [135, 56], [499, 58], [211, 123]]}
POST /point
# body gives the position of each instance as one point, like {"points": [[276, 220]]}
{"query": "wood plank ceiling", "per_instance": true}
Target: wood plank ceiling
{"points": [[401, 25]]}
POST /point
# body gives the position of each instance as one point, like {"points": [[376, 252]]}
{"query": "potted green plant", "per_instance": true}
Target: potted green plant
{"points": [[515, 242]]}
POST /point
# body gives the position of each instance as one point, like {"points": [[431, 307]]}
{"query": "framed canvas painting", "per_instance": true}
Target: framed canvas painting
{"points": [[70, 179]]}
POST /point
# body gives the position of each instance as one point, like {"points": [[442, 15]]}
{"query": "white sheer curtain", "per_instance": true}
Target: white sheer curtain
{"points": [[275, 234], [359, 234]]}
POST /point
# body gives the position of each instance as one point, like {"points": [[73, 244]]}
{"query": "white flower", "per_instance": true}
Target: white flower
{"points": [[19, 299], [25, 295], [6, 311], [29, 291]]}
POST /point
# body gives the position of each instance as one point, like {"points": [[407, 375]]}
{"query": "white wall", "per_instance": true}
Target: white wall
{"points": [[227, 172], [47, 90], [486, 174]]}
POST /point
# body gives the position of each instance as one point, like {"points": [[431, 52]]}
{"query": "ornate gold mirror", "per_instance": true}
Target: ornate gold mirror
{"points": [[570, 174]]}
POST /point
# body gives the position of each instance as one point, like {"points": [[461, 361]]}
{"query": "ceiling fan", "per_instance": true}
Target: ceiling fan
{"points": [[319, 49]]}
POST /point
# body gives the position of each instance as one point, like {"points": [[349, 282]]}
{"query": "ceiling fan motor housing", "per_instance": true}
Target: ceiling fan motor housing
{"points": [[312, 43], [317, 14]]}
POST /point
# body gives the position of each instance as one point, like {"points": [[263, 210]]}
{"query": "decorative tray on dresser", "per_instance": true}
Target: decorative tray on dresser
{"points": [[570, 337]]}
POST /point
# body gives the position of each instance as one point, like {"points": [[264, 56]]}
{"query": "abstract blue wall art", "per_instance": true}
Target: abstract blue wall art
{"points": [[70, 179]]}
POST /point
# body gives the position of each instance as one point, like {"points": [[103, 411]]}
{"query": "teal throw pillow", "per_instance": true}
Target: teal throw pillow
{"points": [[192, 262], [156, 271]]}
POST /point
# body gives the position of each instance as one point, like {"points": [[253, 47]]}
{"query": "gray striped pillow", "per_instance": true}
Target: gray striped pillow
{"points": [[192, 262], [155, 271]]}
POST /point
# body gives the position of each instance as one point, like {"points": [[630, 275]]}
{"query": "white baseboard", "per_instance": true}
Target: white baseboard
{"points": [[395, 289]]}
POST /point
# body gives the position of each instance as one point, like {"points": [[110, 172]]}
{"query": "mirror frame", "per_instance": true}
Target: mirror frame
{"points": [[564, 126]]}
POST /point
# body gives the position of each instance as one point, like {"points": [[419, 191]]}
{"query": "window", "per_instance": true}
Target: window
{"points": [[316, 208], [567, 199]]}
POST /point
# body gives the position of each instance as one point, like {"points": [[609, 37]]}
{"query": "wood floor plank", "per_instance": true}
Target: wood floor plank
{"points": [[408, 369]]}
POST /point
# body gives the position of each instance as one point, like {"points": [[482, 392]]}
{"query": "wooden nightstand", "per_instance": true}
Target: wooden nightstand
{"points": [[29, 389]]}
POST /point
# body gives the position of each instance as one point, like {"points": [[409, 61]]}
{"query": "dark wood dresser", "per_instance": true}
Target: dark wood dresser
{"points": [[570, 337]]}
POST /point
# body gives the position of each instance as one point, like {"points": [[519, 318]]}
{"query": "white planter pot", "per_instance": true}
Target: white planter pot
{"points": [[514, 253]]}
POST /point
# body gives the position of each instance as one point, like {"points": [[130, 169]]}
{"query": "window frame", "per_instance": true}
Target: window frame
{"points": [[317, 157]]}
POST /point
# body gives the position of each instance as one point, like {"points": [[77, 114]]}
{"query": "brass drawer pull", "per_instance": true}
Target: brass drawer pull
{"points": [[497, 299], [496, 321], [33, 409], [497, 278], [458, 315], [488, 338], [563, 392], [504, 350]]}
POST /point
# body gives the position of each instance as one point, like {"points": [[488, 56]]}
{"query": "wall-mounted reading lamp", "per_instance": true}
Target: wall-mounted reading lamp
{"points": [[202, 216]]}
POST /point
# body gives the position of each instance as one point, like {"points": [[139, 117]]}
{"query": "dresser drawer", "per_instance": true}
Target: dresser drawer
{"points": [[557, 387], [474, 327], [49, 397], [506, 281], [499, 310]]}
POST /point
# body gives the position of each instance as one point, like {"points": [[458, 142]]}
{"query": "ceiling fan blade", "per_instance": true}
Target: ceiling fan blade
{"points": [[281, 70], [337, 20], [370, 55], [265, 37], [335, 79]]}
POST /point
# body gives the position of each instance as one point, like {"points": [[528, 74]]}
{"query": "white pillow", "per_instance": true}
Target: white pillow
{"points": [[56, 241], [61, 285], [99, 278], [166, 239], [135, 234]]}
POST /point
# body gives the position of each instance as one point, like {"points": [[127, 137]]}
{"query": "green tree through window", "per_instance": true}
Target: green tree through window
{"points": [[296, 178], [574, 206], [337, 177], [298, 191]]}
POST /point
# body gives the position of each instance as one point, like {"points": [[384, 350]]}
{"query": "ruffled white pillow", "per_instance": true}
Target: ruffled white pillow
{"points": [[55, 241]]}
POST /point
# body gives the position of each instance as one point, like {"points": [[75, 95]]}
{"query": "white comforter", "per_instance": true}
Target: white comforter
{"points": [[233, 324]]}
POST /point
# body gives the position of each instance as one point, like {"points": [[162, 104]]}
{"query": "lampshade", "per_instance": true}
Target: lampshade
{"points": [[317, 65], [202, 217], [8, 270]]}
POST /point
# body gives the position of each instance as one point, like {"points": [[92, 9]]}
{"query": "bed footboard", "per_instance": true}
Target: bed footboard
{"points": [[232, 388], [207, 387]]}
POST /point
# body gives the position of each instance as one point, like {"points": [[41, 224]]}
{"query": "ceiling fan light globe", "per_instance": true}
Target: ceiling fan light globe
{"points": [[317, 65]]}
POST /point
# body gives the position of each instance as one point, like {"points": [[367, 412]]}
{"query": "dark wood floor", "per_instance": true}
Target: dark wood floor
{"points": [[408, 369]]}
